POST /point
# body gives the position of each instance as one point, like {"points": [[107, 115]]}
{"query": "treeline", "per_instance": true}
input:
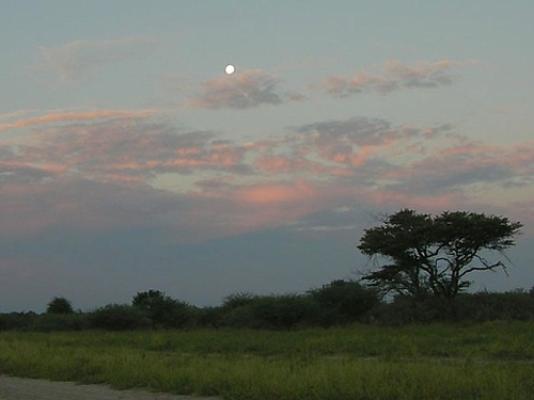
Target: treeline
{"points": [[337, 303]]}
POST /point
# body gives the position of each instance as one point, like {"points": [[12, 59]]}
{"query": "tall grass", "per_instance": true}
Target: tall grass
{"points": [[485, 361]]}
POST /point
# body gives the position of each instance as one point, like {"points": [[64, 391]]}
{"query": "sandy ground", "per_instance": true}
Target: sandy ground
{"points": [[35, 389]]}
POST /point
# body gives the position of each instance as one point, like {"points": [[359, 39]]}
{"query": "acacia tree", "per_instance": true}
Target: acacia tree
{"points": [[433, 255]]}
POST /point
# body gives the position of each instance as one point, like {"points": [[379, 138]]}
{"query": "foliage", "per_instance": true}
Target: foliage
{"points": [[239, 299], [485, 306], [59, 305], [434, 255], [269, 312], [466, 307], [163, 310], [119, 317], [345, 301], [210, 317], [284, 311], [17, 321], [60, 322]]}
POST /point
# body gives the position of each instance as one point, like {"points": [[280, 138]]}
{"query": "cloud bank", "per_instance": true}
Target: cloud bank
{"points": [[117, 160]]}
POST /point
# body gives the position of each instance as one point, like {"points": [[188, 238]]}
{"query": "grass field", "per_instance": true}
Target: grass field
{"points": [[483, 361]]}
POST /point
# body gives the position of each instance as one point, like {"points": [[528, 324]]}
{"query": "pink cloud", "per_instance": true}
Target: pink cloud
{"points": [[125, 150], [275, 193], [99, 174], [275, 164], [75, 116]]}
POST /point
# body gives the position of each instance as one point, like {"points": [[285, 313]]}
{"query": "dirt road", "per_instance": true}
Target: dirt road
{"points": [[34, 389]]}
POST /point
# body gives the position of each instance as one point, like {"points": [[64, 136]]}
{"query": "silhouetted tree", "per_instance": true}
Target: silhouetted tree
{"points": [[162, 309], [59, 305], [435, 254]]}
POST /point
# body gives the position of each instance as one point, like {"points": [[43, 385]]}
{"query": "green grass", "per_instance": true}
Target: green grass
{"points": [[483, 361]]}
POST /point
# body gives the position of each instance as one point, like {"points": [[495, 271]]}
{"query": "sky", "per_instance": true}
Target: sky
{"points": [[129, 160]]}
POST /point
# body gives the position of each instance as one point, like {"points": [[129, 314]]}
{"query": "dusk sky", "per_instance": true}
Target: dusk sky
{"points": [[129, 160]]}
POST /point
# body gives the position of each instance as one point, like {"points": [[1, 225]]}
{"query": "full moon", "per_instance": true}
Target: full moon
{"points": [[229, 69]]}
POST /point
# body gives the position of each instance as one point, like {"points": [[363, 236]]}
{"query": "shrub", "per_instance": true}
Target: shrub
{"points": [[272, 312], [119, 317], [239, 299], [476, 307], [60, 322], [241, 317], [406, 310], [285, 311], [163, 310], [17, 321], [485, 306], [209, 316], [345, 301], [59, 305]]}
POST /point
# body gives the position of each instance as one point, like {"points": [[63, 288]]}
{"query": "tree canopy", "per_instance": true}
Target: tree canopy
{"points": [[59, 305], [162, 309], [433, 255]]}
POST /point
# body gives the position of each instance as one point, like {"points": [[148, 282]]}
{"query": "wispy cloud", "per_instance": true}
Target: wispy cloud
{"points": [[58, 117], [394, 76], [246, 89], [77, 59], [354, 141]]}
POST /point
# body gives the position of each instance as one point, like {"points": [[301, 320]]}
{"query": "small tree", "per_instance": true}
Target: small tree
{"points": [[434, 255], [59, 305], [162, 309]]}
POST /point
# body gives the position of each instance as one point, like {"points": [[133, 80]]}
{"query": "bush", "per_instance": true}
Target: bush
{"points": [[239, 299], [476, 307], [273, 312], [241, 317], [209, 316], [406, 310], [345, 301], [484, 306], [60, 322], [59, 305], [119, 317], [163, 310], [17, 321], [285, 311]]}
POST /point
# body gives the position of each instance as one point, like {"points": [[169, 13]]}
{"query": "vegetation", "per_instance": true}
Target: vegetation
{"points": [[345, 301], [434, 255], [430, 258], [431, 340], [162, 310], [437, 361], [334, 304], [59, 305]]}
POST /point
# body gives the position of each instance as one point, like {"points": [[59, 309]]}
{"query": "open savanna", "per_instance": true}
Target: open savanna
{"points": [[439, 361]]}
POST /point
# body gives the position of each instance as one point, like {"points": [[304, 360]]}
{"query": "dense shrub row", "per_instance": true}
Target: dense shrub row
{"points": [[337, 303]]}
